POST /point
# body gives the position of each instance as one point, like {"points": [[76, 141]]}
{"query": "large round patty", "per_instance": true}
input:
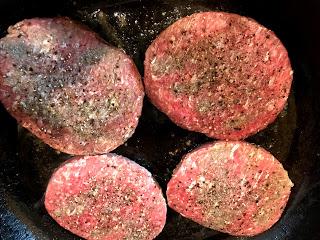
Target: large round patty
{"points": [[68, 87], [232, 187], [218, 73], [106, 197]]}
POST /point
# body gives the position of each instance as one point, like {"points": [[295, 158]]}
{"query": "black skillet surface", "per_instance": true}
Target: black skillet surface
{"points": [[26, 163]]}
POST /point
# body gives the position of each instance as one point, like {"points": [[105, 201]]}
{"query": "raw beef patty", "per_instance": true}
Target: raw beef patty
{"points": [[68, 87], [106, 197], [218, 73], [232, 187]]}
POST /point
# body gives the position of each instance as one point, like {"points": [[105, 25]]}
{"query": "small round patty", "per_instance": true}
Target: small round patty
{"points": [[68, 87], [106, 197], [218, 73], [232, 187]]}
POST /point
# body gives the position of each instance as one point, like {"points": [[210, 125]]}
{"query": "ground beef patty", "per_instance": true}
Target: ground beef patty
{"points": [[68, 87], [218, 73], [233, 187], [106, 197]]}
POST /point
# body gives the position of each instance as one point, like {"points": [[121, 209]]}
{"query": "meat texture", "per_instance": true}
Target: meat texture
{"points": [[68, 87], [232, 187], [106, 197], [218, 73]]}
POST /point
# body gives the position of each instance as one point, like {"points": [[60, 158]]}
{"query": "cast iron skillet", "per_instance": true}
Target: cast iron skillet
{"points": [[26, 163]]}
